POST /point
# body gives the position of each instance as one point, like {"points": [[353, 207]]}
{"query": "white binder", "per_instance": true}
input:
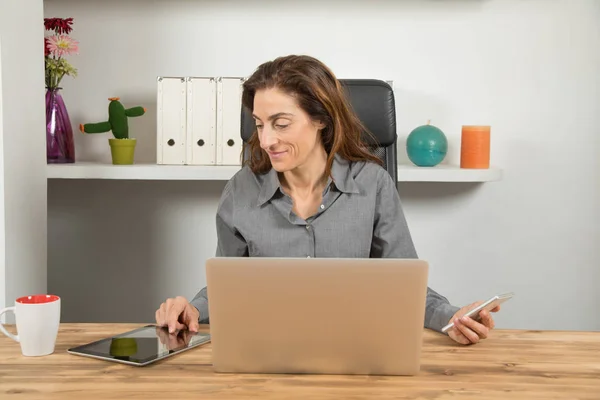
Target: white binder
{"points": [[171, 120], [229, 111], [201, 121]]}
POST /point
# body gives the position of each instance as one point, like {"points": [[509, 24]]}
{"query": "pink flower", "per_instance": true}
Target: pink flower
{"points": [[60, 45]]}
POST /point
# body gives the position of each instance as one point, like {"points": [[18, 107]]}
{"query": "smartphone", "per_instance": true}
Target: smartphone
{"points": [[488, 305]]}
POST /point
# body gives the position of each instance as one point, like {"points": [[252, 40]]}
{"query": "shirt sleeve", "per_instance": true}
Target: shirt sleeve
{"points": [[392, 239], [230, 243]]}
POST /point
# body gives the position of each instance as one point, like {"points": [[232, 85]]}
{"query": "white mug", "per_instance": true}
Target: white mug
{"points": [[38, 319]]}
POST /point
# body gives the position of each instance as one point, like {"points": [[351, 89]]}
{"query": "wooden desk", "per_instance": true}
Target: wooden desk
{"points": [[509, 365]]}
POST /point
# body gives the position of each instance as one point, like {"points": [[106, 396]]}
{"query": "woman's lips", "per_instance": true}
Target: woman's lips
{"points": [[276, 154]]}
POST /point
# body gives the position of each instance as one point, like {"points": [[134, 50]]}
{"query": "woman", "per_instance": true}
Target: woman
{"points": [[311, 189]]}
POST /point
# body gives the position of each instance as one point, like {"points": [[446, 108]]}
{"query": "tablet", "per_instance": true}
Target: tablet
{"points": [[141, 346]]}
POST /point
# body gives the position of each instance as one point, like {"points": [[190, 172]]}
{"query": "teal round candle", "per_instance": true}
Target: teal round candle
{"points": [[426, 146]]}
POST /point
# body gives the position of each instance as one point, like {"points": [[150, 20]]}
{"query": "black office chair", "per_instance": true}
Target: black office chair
{"points": [[373, 102]]}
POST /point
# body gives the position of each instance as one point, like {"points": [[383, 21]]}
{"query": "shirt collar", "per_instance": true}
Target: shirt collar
{"points": [[342, 175], [340, 172], [270, 184]]}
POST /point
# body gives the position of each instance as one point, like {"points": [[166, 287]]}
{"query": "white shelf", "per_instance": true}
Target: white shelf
{"points": [[90, 170], [447, 173]]}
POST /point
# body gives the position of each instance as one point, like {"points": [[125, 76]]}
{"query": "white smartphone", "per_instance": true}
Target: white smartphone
{"points": [[488, 305]]}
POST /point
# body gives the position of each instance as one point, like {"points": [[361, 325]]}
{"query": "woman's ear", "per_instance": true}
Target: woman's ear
{"points": [[319, 125]]}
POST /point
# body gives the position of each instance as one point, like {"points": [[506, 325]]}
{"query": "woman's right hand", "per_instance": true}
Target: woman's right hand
{"points": [[174, 341], [178, 314]]}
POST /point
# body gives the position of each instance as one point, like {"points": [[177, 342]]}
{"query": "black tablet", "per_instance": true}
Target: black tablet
{"points": [[141, 346]]}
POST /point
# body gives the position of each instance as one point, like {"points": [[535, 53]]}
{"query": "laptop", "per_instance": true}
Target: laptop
{"points": [[316, 315]]}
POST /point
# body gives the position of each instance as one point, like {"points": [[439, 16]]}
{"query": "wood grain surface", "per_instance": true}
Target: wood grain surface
{"points": [[509, 365]]}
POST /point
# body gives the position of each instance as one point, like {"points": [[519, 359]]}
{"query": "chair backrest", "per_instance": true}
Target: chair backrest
{"points": [[373, 102]]}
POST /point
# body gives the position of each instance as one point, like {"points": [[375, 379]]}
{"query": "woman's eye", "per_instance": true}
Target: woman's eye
{"points": [[281, 126], [259, 126]]}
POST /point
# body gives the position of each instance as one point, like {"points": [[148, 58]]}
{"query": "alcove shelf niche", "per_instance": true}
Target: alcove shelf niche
{"points": [[92, 170]]}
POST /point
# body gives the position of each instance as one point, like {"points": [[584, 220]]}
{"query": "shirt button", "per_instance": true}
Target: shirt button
{"points": [[307, 226], [322, 206], [307, 256]]}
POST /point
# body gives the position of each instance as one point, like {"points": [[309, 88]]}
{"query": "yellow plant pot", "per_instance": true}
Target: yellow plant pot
{"points": [[122, 150]]}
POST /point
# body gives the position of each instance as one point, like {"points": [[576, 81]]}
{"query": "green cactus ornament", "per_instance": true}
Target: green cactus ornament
{"points": [[122, 146]]}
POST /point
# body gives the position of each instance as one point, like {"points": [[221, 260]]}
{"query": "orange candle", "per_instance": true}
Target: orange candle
{"points": [[475, 147]]}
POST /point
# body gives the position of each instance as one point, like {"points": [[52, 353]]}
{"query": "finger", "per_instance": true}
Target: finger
{"points": [[158, 318], [495, 309], [465, 330], [168, 314], [193, 325], [457, 336], [191, 318], [169, 303], [164, 312], [174, 310], [161, 315], [480, 330], [177, 326], [487, 320]]}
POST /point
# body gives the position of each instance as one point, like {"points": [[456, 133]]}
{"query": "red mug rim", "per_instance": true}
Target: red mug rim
{"points": [[38, 299]]}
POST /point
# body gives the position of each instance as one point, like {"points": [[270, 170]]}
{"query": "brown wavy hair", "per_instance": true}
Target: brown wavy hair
{"points": [[320, 94]]}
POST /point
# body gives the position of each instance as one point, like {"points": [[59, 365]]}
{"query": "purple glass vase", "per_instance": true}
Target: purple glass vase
{"points": [[59, 133]]}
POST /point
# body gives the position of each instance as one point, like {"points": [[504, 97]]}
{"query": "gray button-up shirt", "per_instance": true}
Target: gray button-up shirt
{"points": [[360, 216]]}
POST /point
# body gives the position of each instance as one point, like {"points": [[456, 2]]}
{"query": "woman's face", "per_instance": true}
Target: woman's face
{"points": [[285, 131]]}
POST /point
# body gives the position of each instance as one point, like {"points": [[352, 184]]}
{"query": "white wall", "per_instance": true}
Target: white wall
{"points": [[24, 148], [528, 68]]}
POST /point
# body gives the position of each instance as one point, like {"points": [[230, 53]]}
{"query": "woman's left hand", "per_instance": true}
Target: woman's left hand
{"points": [[469, 331]]}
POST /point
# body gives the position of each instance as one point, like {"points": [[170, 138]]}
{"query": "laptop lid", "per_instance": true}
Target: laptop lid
{"points": [[316, 315]]}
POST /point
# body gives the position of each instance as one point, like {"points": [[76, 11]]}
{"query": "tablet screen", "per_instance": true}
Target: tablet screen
{"points": [[144, 344]]}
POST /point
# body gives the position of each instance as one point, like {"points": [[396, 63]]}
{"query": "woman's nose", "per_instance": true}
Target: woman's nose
{"points": [[267, 138]]}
